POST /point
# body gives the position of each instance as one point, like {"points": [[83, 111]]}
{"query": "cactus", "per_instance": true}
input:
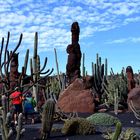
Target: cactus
{"points": [[6, 122], [47, 118], [102, 119], [34, 67], [36, 71], [99, 72], [84, 69], [114, 135], [78, 126], [116, 101], [57, 67], [116, 89], [117, 131], [19, 127]]}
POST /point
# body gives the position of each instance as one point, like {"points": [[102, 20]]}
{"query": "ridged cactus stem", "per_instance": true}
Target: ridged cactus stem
{"points": [[35, 89], [4, 114], [117, 131], [106, 67], [2, 129], [47, 118], [84, 65], [116, 101], [57, 67], [26, 60], [4, 106], [19, 127], [92, 67]]}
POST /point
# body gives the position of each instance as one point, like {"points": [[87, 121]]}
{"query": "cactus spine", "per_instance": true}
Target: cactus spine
{"points": [[47, 118]]}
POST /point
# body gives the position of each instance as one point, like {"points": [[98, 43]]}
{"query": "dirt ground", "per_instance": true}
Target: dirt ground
{"points": [[33, 130]]}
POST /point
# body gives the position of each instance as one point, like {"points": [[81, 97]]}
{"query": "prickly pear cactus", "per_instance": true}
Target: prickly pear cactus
{"points": [[78, 126], [102, 119]]}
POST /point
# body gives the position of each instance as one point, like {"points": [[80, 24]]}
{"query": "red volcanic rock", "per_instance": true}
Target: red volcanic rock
{"points": [[130, 78], [76, 98], [74, 55], [134, 96]]}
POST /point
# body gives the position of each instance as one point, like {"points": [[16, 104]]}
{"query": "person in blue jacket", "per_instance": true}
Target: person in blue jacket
{"points": [[28, 105]]}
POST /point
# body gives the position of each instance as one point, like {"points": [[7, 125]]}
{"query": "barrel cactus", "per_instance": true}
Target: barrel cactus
{"points": [[78, 126], [102, 119]]}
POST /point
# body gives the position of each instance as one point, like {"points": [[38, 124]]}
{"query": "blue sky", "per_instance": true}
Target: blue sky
{"points": [[108, 27]]}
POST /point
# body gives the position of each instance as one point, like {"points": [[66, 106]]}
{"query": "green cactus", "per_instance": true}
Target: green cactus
{"points": [[117, 131], [6, 120], [47, 118], [57, 67], [84, 69], [114, 135], [78, 126], [102, 119], [116, 89], [99, 72], [19, 126], [34, 67]]}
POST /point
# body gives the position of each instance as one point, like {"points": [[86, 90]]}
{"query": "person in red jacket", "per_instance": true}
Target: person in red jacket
{"points": [[16, 98]]}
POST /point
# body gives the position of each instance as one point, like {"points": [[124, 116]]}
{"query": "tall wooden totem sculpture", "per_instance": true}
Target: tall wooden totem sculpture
{"points": [[74, 55]]}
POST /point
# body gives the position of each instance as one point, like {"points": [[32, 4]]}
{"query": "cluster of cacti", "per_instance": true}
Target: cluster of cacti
{"points": [[78, 126], [8, 129], [116, 90], [47, 118], [35, 68], [120, 134], [9, 81], [129, 134], [99, 72], [102, 119], [114, 135]]}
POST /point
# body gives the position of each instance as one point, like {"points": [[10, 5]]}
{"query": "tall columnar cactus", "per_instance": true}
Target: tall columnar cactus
{"points": [[19, 126], [84, 69], [116, 101], [35, 70], [57, 67], [99, 72], [47, 118]]}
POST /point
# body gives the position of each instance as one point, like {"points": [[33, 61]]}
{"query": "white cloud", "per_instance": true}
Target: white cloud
{"points": [[124, 40], [52, 19]]}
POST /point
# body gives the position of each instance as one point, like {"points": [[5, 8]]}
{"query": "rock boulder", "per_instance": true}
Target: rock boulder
{"points": [[75, 98]]}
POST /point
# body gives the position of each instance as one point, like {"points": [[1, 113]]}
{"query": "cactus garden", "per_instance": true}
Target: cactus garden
{"points": [[72, 105]]}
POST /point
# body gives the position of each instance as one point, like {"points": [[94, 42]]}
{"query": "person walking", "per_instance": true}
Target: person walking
{"points": [[16, 100], [28, 105]]}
